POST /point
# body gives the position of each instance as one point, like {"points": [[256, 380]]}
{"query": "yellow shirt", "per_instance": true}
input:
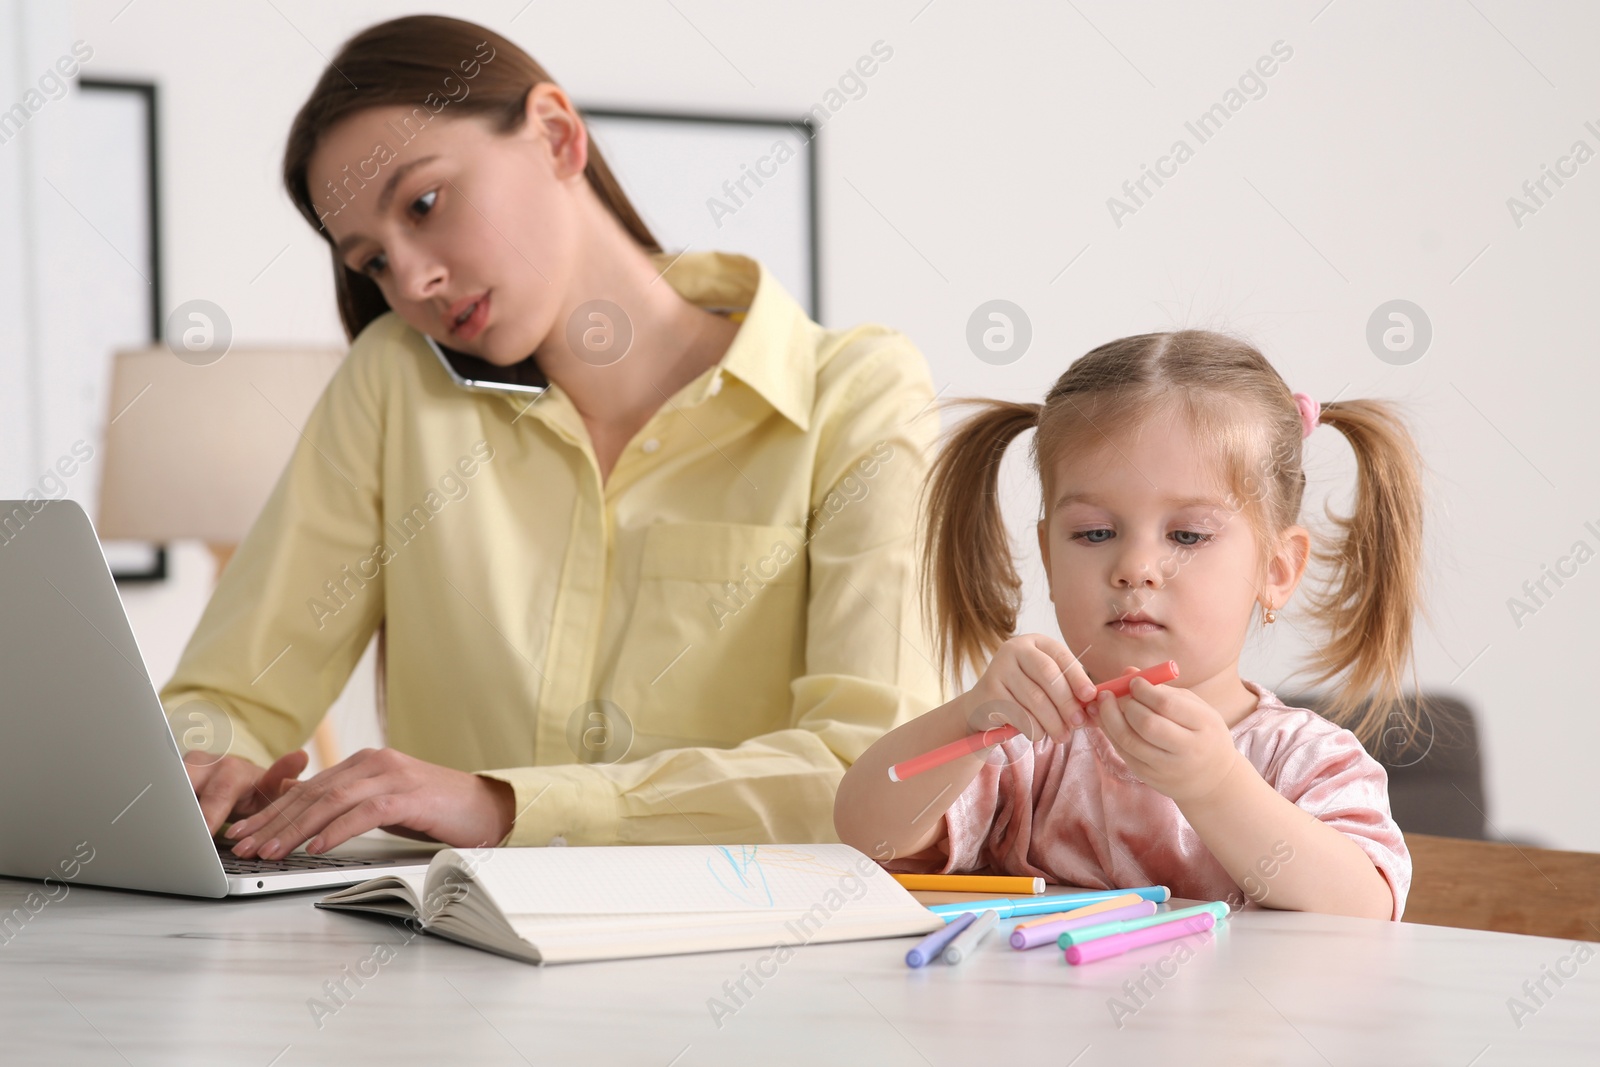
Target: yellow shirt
{"points": [[740, 593]]}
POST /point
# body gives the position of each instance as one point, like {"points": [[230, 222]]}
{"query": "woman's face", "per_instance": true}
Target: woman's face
{"points": [[1142, 527], [458, 220]]}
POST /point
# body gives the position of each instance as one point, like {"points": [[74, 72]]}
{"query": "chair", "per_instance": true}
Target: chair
{"points": [[1436, 774]]}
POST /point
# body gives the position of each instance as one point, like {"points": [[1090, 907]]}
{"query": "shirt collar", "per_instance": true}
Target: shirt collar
{"points": [[774, 352]]}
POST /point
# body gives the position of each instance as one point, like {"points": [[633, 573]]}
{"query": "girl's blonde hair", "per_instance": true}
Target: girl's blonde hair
{"points": [[1235, 401]]}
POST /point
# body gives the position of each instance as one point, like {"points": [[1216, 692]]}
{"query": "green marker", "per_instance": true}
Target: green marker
{"points": [[1089, 933]]}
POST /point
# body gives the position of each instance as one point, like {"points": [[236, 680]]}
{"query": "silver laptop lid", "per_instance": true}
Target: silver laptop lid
{"points": [[92, 786]]}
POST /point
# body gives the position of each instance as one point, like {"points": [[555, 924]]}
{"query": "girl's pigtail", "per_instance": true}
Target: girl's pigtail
{"points": [[970, 589], [1374, 576]]}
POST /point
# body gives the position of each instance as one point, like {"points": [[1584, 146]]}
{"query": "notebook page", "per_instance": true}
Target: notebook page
{"points": [[388, 887], [681, 879]]}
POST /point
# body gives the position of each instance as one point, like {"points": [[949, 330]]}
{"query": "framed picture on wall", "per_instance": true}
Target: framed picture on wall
{"points": [[722, 183], [119, 195]]}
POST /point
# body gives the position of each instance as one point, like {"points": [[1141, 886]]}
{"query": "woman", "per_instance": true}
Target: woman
{"points": [[668, 599]]}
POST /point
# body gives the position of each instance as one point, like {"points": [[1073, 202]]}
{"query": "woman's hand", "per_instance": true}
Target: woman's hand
{"points": [[1174, 741], [378, 788], [231, 788], [1036, 684]]}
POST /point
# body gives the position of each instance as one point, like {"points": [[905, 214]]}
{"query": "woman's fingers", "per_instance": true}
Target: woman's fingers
{"points": [[307, 807], [430, 803], [381, 810], [287, 822], [222, 786], [371, 789], [283, 832], [201, 771], [281, 775]]}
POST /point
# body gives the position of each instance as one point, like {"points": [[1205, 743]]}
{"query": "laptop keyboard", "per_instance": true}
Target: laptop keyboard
{"points": [[232, 864]]}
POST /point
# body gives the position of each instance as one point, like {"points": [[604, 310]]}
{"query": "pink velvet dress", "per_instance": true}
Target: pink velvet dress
{"points": [[1074, 814]]}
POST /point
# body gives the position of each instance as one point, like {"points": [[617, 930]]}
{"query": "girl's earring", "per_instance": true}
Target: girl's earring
{"points": [[1271, 614]]}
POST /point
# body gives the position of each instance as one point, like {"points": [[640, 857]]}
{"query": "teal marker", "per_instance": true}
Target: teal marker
{"points": [[1089, 933], [1010, 909]]}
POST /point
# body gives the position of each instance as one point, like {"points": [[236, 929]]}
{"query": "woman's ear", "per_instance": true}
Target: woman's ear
{"points": [[551, 117]]}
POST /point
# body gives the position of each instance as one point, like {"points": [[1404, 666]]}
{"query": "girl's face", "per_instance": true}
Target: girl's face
{"points": [[1144, 529], [460, 220]]}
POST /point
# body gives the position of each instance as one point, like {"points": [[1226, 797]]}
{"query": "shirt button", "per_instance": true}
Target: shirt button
{"points": [[651, 445], [716, 384]]}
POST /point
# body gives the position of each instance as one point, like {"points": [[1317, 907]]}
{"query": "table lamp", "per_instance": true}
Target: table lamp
{"points": [[192, 451]]}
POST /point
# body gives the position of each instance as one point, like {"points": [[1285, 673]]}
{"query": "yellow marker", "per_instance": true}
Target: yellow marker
{"points": [[971, 883], [1088, 909]]}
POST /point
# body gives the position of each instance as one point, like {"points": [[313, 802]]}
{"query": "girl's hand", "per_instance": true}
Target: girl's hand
{"points": [[1174, 741], [1034, 683], [379, 788]]}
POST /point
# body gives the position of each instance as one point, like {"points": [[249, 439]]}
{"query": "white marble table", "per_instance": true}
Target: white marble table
{"points": [[109, 977]]}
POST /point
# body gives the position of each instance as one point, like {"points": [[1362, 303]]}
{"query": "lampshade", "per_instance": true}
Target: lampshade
{"points": [[192, 452]]}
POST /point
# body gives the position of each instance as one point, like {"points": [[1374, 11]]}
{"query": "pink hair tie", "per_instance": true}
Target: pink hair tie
{"points": [[1310, 413]]}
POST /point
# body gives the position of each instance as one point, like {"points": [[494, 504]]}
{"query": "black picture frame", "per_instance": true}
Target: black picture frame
{"points": [[149, 96], [800, 125]]}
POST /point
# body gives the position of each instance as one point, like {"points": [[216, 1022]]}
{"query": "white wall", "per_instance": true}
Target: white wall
{"points": [[38, 374], [978, 164]]}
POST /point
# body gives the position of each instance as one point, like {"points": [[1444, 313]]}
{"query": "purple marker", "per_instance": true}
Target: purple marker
{"points": [[1047, 933], [928, 949]]}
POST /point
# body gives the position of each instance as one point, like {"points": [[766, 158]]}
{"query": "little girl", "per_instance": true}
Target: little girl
{"points": [[1172, 478]]}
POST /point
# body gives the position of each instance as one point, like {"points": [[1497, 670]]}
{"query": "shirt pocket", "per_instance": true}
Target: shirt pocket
{"points": [[716, 635]]}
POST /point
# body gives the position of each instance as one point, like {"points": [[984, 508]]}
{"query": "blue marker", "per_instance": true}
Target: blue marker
{"points": [[1010, 909], [927, 950]]}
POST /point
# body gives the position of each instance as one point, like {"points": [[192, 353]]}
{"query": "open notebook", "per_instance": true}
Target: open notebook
{"points": [[561, 905]]}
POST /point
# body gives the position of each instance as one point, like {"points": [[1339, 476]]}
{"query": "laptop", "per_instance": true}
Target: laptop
{"points": [[93, 789]]}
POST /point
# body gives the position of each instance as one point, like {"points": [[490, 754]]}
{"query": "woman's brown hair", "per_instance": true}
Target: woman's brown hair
{"points": [[1237, 402], [416, 61]]}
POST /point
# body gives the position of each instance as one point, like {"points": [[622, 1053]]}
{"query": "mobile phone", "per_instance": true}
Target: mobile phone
{"points": [[470, 372]]}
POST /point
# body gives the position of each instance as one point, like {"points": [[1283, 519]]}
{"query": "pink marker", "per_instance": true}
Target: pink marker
{"points": [[1117, 944], [1118, 687], [1046, 933]]}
